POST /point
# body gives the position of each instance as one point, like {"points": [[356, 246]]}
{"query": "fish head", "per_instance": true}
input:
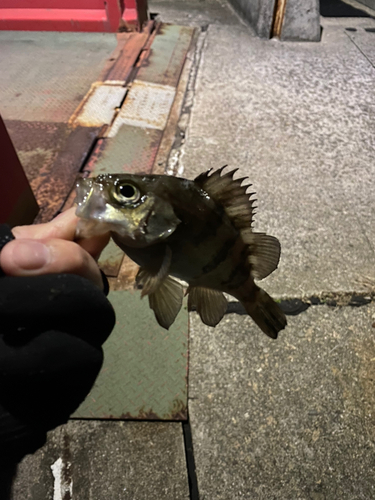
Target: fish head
{"points": [[127, 205]]}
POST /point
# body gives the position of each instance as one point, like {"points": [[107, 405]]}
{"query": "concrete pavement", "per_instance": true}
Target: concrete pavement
{"points": [[291, 418]]}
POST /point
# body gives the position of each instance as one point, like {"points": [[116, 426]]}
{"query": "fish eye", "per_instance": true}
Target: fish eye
{"points": [[126, 193]]}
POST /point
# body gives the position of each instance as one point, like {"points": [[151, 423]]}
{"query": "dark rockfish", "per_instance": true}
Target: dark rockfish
{"points": [[198, 231]]}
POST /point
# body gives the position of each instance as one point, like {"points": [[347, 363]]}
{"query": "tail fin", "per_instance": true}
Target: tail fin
{"points": [[266, 313]]}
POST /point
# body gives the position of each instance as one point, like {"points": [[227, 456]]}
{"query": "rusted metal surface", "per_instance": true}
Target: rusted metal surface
{"points": [[111, 259], [144, 375], [37, 145], [147, 105], [55, 187], [124, 63], [17, 202], [125, 277], [164, 61]]}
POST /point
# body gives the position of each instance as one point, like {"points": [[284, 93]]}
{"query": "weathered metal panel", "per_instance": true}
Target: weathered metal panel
{"points": [[54, 188], [124, 64], [45, 76], [100, 105], [144, 375], [133, 149], [164, 62], [110, 259], [147, 105]]}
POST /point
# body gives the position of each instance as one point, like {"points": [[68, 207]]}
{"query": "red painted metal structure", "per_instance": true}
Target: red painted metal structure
{"points": [[17, 202], [73, 15]]}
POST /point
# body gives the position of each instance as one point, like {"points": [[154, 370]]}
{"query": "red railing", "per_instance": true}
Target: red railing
{"points": [[17, 202], [73, 15]]}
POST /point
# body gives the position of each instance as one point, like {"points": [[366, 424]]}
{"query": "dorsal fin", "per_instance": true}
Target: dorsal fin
{"points": [[264, 250], [230, 194]]}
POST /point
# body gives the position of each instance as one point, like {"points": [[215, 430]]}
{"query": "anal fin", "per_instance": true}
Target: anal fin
{"points": [[166, 301], [211, 305]]}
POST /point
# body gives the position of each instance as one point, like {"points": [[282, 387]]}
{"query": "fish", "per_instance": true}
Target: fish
{"points": [[198, 231]]}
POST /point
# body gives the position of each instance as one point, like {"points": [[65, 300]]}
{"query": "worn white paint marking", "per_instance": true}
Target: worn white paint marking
{"points": [[115, 82], [100, 106], [147, 105], [61, 486]]}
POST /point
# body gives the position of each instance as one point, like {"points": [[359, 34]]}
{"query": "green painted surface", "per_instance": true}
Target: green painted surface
{"points": [[168, 52], [145, 367], [132, 149]]}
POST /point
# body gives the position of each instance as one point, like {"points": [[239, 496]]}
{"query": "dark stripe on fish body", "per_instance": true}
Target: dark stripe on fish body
{"points": [[239, 270], [210, 228], [220, 256]]}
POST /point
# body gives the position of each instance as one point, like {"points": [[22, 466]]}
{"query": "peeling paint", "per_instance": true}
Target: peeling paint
{"points": [[147, 105], [100, 106]]}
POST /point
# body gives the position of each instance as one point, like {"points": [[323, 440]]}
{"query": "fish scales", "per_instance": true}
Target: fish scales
{"points": [[198, 231]]}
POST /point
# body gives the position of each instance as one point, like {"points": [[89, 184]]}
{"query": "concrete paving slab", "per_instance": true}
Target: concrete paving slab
{"points": [[364, 39], [286, 419], [106, 460], [298, 120], [194, 12]]}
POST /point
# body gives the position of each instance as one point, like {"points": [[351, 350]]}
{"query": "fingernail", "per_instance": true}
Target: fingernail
{"points": [[30, 254]]}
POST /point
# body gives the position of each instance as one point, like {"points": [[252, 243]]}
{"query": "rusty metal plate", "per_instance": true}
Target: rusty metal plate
{"points": [[124, 64], [100, 106], [164, 62], [55, 187], [144, 375], [51, 154], [110, 259], [147, 105]]}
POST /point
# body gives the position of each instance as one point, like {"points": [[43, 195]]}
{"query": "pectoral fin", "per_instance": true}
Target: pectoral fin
{"points": [[166, 301], [209, 304], [150, 282]]}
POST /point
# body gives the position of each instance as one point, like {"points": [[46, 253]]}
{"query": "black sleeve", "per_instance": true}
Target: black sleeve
{"points": [[52, 328]]}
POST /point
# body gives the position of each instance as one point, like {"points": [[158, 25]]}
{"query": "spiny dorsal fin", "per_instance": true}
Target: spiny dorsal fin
{"points": [[166, 301], [230, 194], [264, 252], [211, 305]]}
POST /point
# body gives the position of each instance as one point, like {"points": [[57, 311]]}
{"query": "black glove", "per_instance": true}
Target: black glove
{"points": [[51, 331]]}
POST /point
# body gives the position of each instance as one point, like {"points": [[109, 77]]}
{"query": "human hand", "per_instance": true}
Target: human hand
{"points": [[50, 248], [53, 324]]}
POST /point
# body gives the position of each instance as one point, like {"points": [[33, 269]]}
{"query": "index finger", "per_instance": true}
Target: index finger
{"points": [[63, 226]]}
